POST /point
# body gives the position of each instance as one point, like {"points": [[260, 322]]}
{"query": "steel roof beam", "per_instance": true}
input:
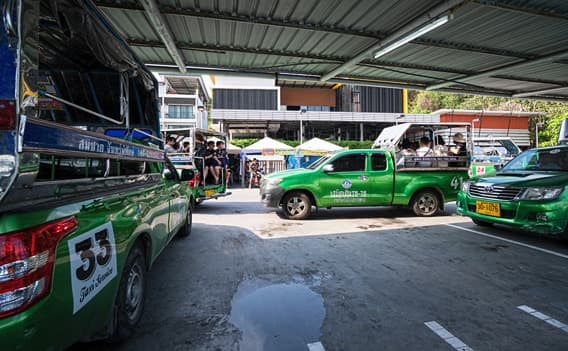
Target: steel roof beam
{"points": [[234, 17], [168, 68], [331, 59], [530, 80], [312, 26], [403, 31], [489, 72], [538, 92], [522, 9], [160, 26], [472, 48]]}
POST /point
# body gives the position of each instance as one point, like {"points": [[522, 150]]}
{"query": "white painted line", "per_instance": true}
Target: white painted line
{"points": [[316, 346], [509, 241], [443, 333], [543, 317]]}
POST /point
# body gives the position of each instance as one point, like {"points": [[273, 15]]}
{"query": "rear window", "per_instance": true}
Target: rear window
{"points": [[52, 168]]}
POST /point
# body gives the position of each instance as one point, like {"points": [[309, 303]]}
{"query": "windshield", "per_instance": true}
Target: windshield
{"points": [[318, 162], [496, 147], [540, 160]]}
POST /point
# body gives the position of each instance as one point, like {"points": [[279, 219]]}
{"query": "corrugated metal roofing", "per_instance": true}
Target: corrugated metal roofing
{"points": [[501, 47]]}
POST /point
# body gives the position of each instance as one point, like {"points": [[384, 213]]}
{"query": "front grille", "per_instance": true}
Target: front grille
{"points": [[509, 214], [494, 192]]}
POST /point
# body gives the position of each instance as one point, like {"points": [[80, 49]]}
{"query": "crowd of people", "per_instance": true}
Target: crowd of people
{"points": [[211, 157], [172, 146], [425, 148]]}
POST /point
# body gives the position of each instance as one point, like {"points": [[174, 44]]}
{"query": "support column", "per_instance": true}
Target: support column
{"points": [[361, 130]]}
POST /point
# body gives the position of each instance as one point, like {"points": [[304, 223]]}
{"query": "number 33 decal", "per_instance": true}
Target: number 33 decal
{"points": [[92, 263], [85, 252]]}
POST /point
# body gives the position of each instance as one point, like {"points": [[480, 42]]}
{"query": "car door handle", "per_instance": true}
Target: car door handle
{"points": [[363, 178]]}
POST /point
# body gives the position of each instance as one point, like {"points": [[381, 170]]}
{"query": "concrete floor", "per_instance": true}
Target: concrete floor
{"points": [[351, 279]]}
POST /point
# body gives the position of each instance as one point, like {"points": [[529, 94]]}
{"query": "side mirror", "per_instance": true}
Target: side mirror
{"points": [[498, 167], [327, 168], [187, 174], [169, 175]]}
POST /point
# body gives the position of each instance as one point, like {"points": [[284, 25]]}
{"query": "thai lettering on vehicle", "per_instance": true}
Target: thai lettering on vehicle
{"points": [[92, 260]]}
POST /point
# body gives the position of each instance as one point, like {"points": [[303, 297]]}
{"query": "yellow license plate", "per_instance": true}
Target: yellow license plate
{"points": [[209, 192], [488, 208]]}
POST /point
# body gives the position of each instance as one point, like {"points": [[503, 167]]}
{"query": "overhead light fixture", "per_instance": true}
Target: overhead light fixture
{"points": [[413, 35]]}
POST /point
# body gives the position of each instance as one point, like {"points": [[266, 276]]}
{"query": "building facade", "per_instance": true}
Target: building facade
{"points": [[183, 102]]}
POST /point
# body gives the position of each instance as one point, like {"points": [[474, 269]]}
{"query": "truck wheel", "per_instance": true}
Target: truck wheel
{"points": [[129, 303], [426, 203], [185, 230], [297, 205], [482, 223]]}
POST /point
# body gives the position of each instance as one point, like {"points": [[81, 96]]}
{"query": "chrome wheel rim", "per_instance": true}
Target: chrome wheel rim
{"points": [[296, 206], [134, 291], [427, 204]]}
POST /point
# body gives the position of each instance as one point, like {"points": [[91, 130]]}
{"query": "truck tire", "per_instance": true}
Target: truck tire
{"points": [[296, 205], [129, 303], [426, 203], [185, 230], [482, 223]]}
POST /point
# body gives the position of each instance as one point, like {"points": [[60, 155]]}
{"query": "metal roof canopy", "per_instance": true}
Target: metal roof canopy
{"points": [[511, 48]]}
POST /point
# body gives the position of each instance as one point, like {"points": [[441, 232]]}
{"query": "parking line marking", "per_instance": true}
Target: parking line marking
{"points": [[543, 317], [316, 346], [443, 333], [509, 241]]}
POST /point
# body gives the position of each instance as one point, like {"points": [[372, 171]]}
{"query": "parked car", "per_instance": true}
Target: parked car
{"points": [[529, 193]]}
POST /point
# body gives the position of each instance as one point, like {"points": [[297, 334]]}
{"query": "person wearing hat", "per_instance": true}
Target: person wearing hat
{"points": [[460, 148]]}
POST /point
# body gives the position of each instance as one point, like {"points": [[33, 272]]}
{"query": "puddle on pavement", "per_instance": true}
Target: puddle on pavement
{"points": [[277, 317]]}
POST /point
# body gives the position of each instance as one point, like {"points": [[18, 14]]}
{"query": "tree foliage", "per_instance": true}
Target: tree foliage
{"points": [[552, 113]]}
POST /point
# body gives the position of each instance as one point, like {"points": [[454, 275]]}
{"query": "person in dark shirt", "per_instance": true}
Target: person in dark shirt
{"points": [[221, 154], [460, 149], [211, 162], [199, 154]]}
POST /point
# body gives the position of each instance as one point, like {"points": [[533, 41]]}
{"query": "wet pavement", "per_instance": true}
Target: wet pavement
{"points": [[352, 279], [279, 317]]}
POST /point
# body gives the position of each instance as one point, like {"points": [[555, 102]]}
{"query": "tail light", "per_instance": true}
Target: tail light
{"points": [[7, 114], [195, 181], [26, 264]]}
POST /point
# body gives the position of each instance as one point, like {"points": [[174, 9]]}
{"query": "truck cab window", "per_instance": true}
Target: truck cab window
{"points": [[349, 163], [378, 162]]}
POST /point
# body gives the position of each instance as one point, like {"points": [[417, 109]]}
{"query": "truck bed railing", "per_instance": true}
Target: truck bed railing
{"points": [[42, 143], [53, 138]]}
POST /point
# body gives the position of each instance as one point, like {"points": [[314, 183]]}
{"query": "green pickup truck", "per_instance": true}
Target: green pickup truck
{"points": [[360, 178], [88, 200], [529, 193], [424, 179]]}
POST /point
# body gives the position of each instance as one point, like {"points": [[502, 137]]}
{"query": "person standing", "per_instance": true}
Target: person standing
{"points": [[221, 154], [199, 154]]}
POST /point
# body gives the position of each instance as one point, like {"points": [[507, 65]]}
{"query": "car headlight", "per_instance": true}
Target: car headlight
{"points": [[541, 193], [273, 181], [465, 186]]}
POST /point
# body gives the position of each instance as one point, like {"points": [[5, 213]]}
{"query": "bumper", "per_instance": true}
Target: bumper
{"points": [[214, 196], [271, 196], [538, 217]]}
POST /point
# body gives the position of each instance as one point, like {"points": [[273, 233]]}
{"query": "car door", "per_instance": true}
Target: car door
{"points": [[178, 202], [381, 179], [344, 181]]}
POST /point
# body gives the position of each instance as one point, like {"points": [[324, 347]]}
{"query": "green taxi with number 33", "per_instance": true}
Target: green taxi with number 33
{"points": [[88, 200]]}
